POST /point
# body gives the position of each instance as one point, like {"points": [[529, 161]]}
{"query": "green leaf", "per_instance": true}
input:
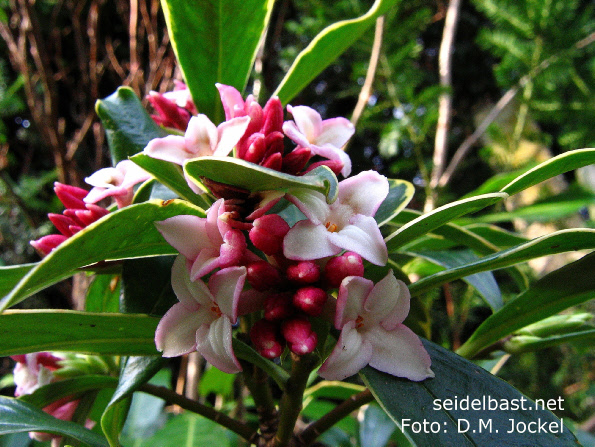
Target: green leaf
{"points": [[495, 235], [440, 216], [484, 282], [75, 386], [127, 124], [11, 275], [375, 428], [170, 175], [215, 41], [103, 295], [329, 44], [126, 233], [135, 372], [84, 332], [527, 343], [565, 162], [408, 402], [558, 242], [252, 177], [400, 194], [565, 287], [20, 417]]}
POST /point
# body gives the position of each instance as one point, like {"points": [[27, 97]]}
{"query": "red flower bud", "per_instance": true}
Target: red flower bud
{"points": [[310, 300], [277, 307], [266, 339], [274, 161], [47, 243], [268, 232], [273, 116], [62, 223], [70, 196], [296, 160], [300, 337], [340, 267], [304, 272], [262, 276]]}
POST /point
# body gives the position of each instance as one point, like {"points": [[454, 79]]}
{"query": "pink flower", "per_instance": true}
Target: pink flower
{"points": [[173, 109], [346, 224], [116, 182], [203, 318], [207, 243], [370, 318], [324, 138], [201, 138]]}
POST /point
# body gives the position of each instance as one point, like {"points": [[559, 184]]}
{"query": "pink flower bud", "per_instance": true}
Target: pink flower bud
{"points": [[70, 196], [335, 165], [277, 306], [47, 243], [310, 300], [304, 272], [233, 248], [268, 232], [274, 161], [273, 116], [300, 337], [266, 339], [296, 160], [256, 148], [62, 223], [340, 267], [169, 114], [262, 276], [274, 143]]}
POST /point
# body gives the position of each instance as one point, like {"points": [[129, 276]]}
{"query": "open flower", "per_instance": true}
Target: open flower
{"points": [[116, 182], [346, 224], [207, 243], [325, 138], [370, 318], [203, 318], [201, 138]]}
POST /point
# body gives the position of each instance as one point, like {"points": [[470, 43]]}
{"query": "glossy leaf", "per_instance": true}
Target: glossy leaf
{"points": [[329, 44], [11, 275], [400, 194], [103, 295], [483, 282], [126, 233], [565, 162], [127, 124], [558, 242], [565, 287], [84, 332], [20, 417], [252, 177], [68, 387], [496, 235], [407, 402], [170, 175], [215, 41], [375, 428], [440, 216]]}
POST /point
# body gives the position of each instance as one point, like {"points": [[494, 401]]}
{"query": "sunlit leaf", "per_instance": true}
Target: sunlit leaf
{"points": [[400, 194]]}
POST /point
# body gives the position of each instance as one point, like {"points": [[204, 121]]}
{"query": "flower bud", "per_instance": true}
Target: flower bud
{"points": [[340, 267], [63, 223], [266, 339], [277, 307], [256, 148], [310, 300], [262, 276], [47, 243], [335, 165], [70, 196], [273, 161], [300, 337], [304, 272], [273, 116], [233, 248], [268, 232], [296, 160]]}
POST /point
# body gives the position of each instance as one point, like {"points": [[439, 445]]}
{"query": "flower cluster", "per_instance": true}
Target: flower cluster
{"points": [[287, 276]]}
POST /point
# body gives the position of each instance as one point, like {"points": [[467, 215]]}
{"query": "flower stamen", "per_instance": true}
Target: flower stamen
{"points": [[331, 227]]}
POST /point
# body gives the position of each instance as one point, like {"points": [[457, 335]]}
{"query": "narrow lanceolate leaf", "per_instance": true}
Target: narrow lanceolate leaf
{"points": [[170, 175], [527, 343], [487, 423], [252, 177], [20, 417], [484, 282], [84, 332], [126, 233], [215, 41], [11, 275], [440, 216], [135, 372], [558, 242], [74, 386], [400, 194], [127, 124], [326, 47], [565, 287], [565, 162]]}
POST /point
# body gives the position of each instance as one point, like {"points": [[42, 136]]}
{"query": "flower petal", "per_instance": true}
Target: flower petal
{"points": [[363, 237], [188, 292], [187, 234], [308, 121], [230, 133], [364, 192], [336, 132], [205, 262], [292, 132], [233, 103], [351, 354], [399, 352], [388, 302], [334, 153], [226, 286], [311, 203], [176, 332], [214, 343], [306, 241], [352, 295], [171, 148]]}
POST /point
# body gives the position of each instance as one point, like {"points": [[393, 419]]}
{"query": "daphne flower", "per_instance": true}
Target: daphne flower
{"points": [[346, 224], [201, 138], [207, 243], [370, 318], [324, 138], [203, 318], [116, 182]]}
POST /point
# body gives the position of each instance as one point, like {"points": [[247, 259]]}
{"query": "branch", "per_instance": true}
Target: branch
{"points": [[237, 427]]}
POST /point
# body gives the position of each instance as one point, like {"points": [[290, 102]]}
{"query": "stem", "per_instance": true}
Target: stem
{"points": [[291, 401], [315, 429], [257, 382], [237, 427]]}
